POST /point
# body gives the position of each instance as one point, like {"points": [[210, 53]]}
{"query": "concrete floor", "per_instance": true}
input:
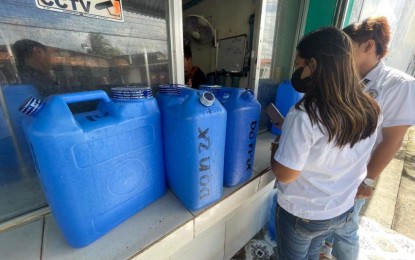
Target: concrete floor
{"points": [[393, 202]]}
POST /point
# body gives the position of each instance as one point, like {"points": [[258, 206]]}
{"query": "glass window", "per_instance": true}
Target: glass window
{"points": [[401, 18], [43, 52], [278, 44]]}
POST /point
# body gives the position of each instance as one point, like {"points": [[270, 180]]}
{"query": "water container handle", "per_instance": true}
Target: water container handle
{"points": [[248, 94], [85, 96]]}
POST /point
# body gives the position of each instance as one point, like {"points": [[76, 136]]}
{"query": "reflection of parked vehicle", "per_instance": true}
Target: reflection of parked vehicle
{"points": [[75, 71], [80, 71]]}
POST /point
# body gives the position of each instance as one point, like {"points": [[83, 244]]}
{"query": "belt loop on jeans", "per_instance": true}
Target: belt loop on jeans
{"points": [[305, 220]]}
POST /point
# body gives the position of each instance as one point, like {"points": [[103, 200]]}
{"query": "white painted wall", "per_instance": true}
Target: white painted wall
{"points": [[229, 18]]}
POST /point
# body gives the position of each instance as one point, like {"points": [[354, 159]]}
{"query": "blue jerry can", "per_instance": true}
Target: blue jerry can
{"points": [[99, 167], [241, 131], [194, 127], [286, 98]]}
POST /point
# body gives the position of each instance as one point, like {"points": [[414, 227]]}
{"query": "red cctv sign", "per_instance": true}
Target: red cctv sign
{"points": [[100, 9]]}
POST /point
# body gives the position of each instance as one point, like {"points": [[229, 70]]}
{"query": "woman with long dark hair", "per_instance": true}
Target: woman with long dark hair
{"points": [[325, 145]]}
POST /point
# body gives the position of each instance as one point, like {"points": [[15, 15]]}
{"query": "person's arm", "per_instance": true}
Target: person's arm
{"points": [[282, 173], [382, 155], [296, 141]]}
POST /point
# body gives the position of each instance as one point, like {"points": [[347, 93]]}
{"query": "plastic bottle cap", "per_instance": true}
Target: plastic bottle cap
{"points": [[131, 93], [207, 98], [31, 106]]}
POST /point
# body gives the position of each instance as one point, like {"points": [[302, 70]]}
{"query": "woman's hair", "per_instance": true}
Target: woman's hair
{"points": [[372, 28], [187, 51], [335, 98]]}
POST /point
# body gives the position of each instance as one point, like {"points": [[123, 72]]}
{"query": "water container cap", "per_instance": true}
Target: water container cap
{"points": [[31, 106], [131, 93], [207, 98], [248, 94]]}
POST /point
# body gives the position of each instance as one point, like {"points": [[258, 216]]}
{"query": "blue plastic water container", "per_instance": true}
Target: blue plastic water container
{"points": [[194, 127], [241, 131], [286, 98], [14, 149], [167, 93], [99, 167]]}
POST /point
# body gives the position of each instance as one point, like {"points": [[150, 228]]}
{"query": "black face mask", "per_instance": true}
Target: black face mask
{"points": [[300, 85]]}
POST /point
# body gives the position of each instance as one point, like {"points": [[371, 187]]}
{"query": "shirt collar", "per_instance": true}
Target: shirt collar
{"points": [[375, 72]]}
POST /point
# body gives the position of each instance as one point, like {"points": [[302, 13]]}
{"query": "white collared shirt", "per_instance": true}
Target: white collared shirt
{"points": [[395, 93], [329, 178]]}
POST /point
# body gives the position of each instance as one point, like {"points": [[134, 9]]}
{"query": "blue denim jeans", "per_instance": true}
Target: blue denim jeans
{"points": [[301, 238], [346, 240]]}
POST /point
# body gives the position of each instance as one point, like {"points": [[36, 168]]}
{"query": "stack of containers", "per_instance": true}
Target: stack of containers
{"points": [[14, 151], [241, 131], [194, 126], [99, 167], [286, 98]]}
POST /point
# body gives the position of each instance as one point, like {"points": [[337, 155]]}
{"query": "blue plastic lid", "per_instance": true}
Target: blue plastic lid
{"points": [[131, 93], [31, 106]]}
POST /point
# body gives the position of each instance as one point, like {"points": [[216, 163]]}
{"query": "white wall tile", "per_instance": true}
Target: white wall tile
{"points": [[266, 200], [246, 221], [22, 242], [209, 217], [265, 179], [207, 246], [169, 245], [241, 227]]}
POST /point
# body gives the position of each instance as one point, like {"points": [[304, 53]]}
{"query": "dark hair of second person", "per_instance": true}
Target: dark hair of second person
{"points": [[335, 98], [373, 28]]}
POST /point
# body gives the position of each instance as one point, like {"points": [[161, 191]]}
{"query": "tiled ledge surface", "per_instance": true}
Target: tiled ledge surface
{"points": [[161, 228]]}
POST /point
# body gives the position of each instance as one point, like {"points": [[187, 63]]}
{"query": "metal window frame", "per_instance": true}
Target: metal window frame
{"points": [[174, 17]]}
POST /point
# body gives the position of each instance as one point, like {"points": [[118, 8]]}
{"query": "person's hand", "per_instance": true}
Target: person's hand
{"points": [[364, 191]]}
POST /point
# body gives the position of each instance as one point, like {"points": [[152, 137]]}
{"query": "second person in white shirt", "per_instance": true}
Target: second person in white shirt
{"points": [[325, 145]]}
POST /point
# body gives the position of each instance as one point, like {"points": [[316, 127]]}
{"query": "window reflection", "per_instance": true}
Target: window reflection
{"points": [[44, 53], [280, 28]]}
